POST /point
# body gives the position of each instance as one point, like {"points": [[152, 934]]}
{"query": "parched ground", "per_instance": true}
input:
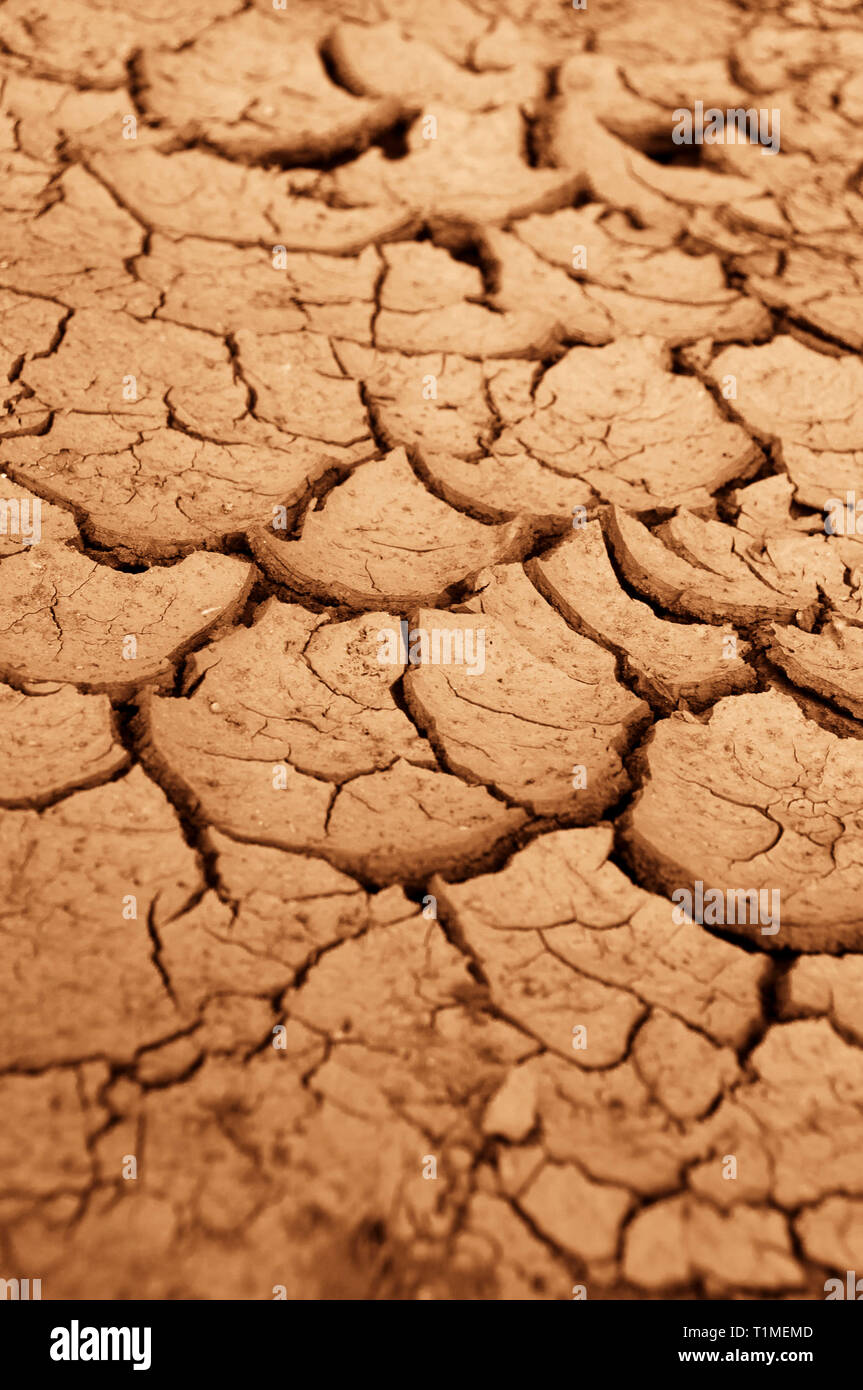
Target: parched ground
{"points": [[330, 976]]}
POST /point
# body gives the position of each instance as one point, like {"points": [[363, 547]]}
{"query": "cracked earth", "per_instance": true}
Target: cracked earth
{"points": [[324, 976]]}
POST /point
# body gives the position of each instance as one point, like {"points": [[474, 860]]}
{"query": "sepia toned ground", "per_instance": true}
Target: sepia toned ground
{"points": [[414, 585]]}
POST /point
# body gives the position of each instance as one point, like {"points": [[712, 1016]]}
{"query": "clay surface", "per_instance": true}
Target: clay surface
{"points": [[431, 650]]}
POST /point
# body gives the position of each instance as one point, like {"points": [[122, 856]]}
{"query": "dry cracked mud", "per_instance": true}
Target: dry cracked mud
{"points": [[431, 650]]}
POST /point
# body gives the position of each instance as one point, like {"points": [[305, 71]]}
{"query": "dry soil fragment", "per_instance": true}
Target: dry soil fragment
{"points": [[683, 1239], [683, 1069], [559, 443], [211, 285], [505, 488], [794, 555], [765, 509], [813, 74], [617, 420], [81, 883], [771, 54], [300, 387], [26, 181], [434, 402], [377, 60], [114, 365], [76, 250], [65, 618], [826, 985], [428, 304], [578, 138], [153, 439], [572, 1013], [43, 1144], [614, 1124], [152, 436], [560, 900], [829, 662], [810, 402], [473, 170], [278, 912], [668, 661], [796, 1125], [583, 1217], [90, 43], [47, 112], [251, 90], [831, 1234], [710, 579], [323, 699], [512, 1109], [380, 1055], [636, 285], [455, 28], [506, 594], [804, 567], [381, 985], [27, 520], [382, 538], [400, 1043], [194, 193], [407, 822], [814, 289], [515, 1262], [507, 717], [757, 797], [55, 739], [292, 738], [524, 278], [28, 328], [165, 492]]}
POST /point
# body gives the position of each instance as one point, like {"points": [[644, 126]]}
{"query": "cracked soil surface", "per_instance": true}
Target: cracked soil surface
{"points": [[336, 337]]}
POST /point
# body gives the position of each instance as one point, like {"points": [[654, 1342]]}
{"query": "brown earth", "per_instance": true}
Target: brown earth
{"points": [[428, 461]]}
